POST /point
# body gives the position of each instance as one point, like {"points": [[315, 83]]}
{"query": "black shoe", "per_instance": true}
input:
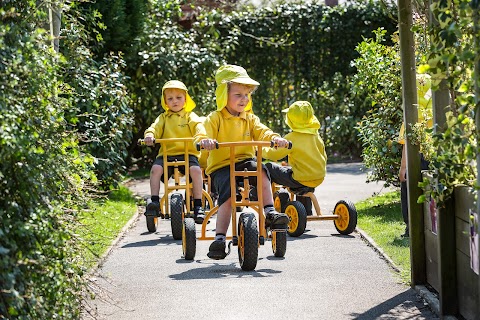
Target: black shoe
{"points": [[406, 234], [276, 220], [153, 209], [217, 250], [198, 215]]}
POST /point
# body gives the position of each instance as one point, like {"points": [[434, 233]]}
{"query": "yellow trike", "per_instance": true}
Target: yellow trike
{"points": [[292, 203], [250, 232], [173, 205]]}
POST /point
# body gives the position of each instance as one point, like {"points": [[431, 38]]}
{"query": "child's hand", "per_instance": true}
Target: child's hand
{"points": [[280, 142], [149, 140], [208, 144]]}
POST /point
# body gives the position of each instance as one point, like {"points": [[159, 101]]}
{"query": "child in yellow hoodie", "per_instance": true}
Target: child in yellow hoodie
{"points": [[424, 97], [234, 121], [178, 121], [307, 158]]}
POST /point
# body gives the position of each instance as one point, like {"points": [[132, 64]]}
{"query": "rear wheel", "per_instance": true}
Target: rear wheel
{"points": [[279, 243], [347, 220], [247, 241], [189, 239], [152, 223], [298, 218], [280, 200], [176, 210]]}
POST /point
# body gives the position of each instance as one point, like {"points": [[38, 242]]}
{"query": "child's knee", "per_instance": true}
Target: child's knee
{"points": [[156, 170], [195, 170]]}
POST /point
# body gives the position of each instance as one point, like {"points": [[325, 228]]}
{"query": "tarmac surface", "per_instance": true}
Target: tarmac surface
{"points": [[323, 275]]}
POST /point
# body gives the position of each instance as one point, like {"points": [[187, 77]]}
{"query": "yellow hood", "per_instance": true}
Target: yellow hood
{"points": [[175, 84], [231, 73], [300, 118]]}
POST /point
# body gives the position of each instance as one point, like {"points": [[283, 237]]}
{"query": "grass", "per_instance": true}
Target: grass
{"points": [[102, 223], [381, 218]]}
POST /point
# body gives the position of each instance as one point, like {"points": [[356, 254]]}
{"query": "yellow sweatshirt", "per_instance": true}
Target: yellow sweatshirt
{"points": [[180, 124], [307, 157], [224, 127]]}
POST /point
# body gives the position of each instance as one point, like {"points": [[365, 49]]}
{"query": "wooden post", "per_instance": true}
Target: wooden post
{"points": [[410, 112], [447, 262], [55, 23], [476, 78]]}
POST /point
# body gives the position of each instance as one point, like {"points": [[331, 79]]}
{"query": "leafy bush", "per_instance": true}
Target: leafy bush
{"points": [[452, 59], [296, 52], [377, 79], [101, 113], [48, 101], [41, 174]]}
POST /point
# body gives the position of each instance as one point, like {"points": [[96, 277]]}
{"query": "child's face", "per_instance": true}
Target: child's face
{"points": [[238, 97], [174, 98]]}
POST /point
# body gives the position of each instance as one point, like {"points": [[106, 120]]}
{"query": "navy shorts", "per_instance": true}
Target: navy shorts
{"points": [[283, 175], [192, 161], [221, 178]]}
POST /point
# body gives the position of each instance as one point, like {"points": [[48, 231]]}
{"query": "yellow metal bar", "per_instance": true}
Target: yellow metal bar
{"points": [[324, 217]]}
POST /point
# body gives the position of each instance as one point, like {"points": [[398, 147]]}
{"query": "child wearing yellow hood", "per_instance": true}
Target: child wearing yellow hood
{"points": [[424, 97], [178, 121], [234, 121], [307, 158]]}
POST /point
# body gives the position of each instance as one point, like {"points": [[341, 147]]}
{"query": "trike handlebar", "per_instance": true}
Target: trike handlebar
{"points": [[270, 144]]}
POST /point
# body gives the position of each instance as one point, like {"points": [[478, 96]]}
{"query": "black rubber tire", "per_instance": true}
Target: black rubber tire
{"points": [[247, 241], [280, 200], [307, 203], [279, 243], [347, 222], [151, 223], [298, 218], [189, 239], [176, 209]]}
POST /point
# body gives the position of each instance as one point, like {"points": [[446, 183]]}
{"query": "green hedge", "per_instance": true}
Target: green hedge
{"points": [[296, 52], [62, 117]]}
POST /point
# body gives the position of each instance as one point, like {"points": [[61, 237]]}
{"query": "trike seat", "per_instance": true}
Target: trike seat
{"points": [[302, 190]]}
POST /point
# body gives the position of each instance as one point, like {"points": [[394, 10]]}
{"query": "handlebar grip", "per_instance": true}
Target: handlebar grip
{"points": [[290, 144], [199, 147]]}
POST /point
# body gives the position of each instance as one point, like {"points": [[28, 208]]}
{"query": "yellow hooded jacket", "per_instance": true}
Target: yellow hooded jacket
{"points": [[307, 157], [176, 125], [224, 127], [424, 97], [182, 124]]}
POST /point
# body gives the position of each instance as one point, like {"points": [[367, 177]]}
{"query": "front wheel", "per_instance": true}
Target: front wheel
{"points": [[247, 241], [298, 218], [347, 220], [189, 239], [176, 210], [279, 243], [152, 223]]}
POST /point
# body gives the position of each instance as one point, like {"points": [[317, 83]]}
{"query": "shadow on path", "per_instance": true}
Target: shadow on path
{"points": [[401, 306]]}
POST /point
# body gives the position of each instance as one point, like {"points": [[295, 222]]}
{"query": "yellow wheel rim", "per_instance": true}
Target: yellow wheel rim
{"points": [[292, 214], [241, 242], [274, 240], [184, 242], [277, 204], [155, 220], [344, 218]]}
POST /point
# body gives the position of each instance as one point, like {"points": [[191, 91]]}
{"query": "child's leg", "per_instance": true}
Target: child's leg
{"points": [[266, 190], [153, 208], [224, 216], [155, 176], [197, 181], [273, 218]]}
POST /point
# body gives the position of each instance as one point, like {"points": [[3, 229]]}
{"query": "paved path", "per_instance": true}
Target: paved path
{"points": [[323, 275]]}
